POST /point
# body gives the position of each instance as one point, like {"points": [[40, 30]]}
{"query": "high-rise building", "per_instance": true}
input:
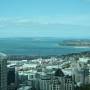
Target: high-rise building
{"points": [[58, 81], [3, 72], [69, 83], [11, 79]]}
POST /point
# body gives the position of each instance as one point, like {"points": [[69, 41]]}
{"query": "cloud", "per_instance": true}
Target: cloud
{"points": [[29, 22]]}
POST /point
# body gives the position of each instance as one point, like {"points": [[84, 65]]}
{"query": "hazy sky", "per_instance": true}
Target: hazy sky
{"points": [[45, 18]]}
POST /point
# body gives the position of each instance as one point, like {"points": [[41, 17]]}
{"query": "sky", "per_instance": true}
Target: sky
{"points": [[45, 18]]}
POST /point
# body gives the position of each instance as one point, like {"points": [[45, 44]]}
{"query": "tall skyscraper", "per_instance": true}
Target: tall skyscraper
{"points": [[3, 72]]}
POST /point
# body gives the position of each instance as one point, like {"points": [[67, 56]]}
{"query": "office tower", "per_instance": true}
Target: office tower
{"points": [[3, 72], [45, 82], [11, 79], [69, 83]]}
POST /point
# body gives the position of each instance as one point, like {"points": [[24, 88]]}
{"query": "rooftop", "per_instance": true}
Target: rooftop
{"points": [[59, 73]]}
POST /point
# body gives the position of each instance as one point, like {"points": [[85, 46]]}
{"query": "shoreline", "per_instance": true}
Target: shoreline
{"points": [[29, 57]]}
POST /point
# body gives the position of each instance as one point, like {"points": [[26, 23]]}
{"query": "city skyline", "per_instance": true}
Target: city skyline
{"points": [[45, 18]]}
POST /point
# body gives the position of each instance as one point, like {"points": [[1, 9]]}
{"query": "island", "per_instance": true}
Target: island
{"points": [[75, 43]]}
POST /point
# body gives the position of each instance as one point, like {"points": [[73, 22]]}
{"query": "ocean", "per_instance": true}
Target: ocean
{"points": [[36, 46]]}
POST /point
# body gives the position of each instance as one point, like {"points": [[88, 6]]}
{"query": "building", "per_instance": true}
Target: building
{"points": [[3, 72], [58, 81], [45, 82], [81, 72], [69, 83], [11, 79]]}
